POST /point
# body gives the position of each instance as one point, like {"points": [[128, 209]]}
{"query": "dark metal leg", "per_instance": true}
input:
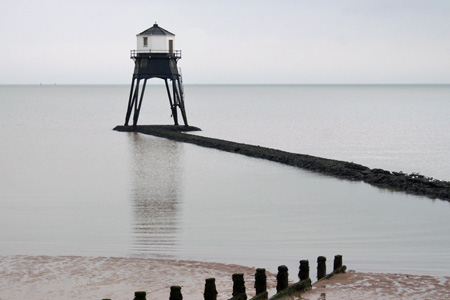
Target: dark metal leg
{"points": [[130, 102], [181, 104], [172, 106], [175, 100], [138, 107], [135, 97]]}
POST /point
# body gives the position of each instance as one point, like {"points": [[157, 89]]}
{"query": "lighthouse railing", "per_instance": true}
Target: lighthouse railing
{"points": [[172, 54]]}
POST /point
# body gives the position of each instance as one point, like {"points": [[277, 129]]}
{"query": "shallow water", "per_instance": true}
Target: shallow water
{"points": [[394, 127], [72, 186]]}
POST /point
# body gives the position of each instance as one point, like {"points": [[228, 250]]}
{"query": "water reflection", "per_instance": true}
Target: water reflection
{"points": [[156, 177]]}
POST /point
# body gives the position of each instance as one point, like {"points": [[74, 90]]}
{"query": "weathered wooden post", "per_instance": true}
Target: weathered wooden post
{"points": [[282, 278], [210, 289], [337, 262], [260, 281], [239, 286], [321, 267], [175, 293], [140, 295], [304, 270]]}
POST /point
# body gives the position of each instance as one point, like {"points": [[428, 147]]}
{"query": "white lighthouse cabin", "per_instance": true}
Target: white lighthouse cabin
{"points": [[156, 40]]}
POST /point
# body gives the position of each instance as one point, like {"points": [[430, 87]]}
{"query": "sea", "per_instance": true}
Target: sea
{"points": [[72, 186]]}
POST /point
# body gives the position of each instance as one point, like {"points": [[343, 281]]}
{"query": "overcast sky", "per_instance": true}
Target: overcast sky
{"points": [[284, 41]]}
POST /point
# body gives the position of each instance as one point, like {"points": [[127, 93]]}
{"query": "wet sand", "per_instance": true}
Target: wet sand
{"points": [[362, 286], [74, 277]]}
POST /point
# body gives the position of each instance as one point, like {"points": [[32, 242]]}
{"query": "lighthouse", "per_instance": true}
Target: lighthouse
{"points": [[155, 57]]}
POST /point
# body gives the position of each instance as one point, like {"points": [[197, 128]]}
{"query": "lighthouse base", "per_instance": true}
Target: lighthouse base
{"points": [[144, 128]]}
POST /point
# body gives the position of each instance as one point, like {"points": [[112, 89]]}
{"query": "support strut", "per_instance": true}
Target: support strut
{"points": [[176, 98]]}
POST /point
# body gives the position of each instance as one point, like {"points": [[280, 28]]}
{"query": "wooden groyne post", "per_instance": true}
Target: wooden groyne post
{"points": [[283, 287], [261, 285], [175, 293], [239, 287], [337, 262], [304, 270], [321, 267], [282, 281], [282, 278], [303, 275], [210, 292], [140, 295], [338, 266], [260, 281]]}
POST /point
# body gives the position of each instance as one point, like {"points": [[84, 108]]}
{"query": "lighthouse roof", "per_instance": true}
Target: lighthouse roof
{"points": [[155, 30]]}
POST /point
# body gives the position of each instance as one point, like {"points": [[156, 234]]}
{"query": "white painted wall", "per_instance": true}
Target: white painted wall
{"points": [[155, 43]]}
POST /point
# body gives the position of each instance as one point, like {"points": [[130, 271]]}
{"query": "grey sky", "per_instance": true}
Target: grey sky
{"points": [[286, 41]]}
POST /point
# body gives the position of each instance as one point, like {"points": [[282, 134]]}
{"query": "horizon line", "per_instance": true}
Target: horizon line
{"points": [[280, 84]]}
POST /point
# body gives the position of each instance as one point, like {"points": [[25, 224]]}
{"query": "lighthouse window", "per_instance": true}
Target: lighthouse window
{"points": [[145, 41], [171, 46]]}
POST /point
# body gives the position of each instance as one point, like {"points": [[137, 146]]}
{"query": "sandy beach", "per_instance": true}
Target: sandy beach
{"points": [[74, 277], [358, 286]]}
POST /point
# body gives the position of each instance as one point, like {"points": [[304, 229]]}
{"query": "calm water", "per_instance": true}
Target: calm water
{"points": [[70, 185]]}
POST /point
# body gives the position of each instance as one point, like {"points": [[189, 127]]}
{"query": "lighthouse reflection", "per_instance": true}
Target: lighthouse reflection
{"points": [[156, 176]]}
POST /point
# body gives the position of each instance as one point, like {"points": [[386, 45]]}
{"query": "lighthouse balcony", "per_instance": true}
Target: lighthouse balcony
{"points": [[156, 53]]}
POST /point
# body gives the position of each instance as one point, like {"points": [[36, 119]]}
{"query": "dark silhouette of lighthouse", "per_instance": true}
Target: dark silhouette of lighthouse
{"points": [[155, 57]]}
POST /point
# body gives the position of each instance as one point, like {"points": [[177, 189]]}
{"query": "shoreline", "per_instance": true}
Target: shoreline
{"points": [[414, 183], [78, 277], [386, 286], [85, 277]]}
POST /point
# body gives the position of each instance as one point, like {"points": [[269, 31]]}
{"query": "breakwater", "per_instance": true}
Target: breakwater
{"points": [[284, 289], [397, 181]]}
